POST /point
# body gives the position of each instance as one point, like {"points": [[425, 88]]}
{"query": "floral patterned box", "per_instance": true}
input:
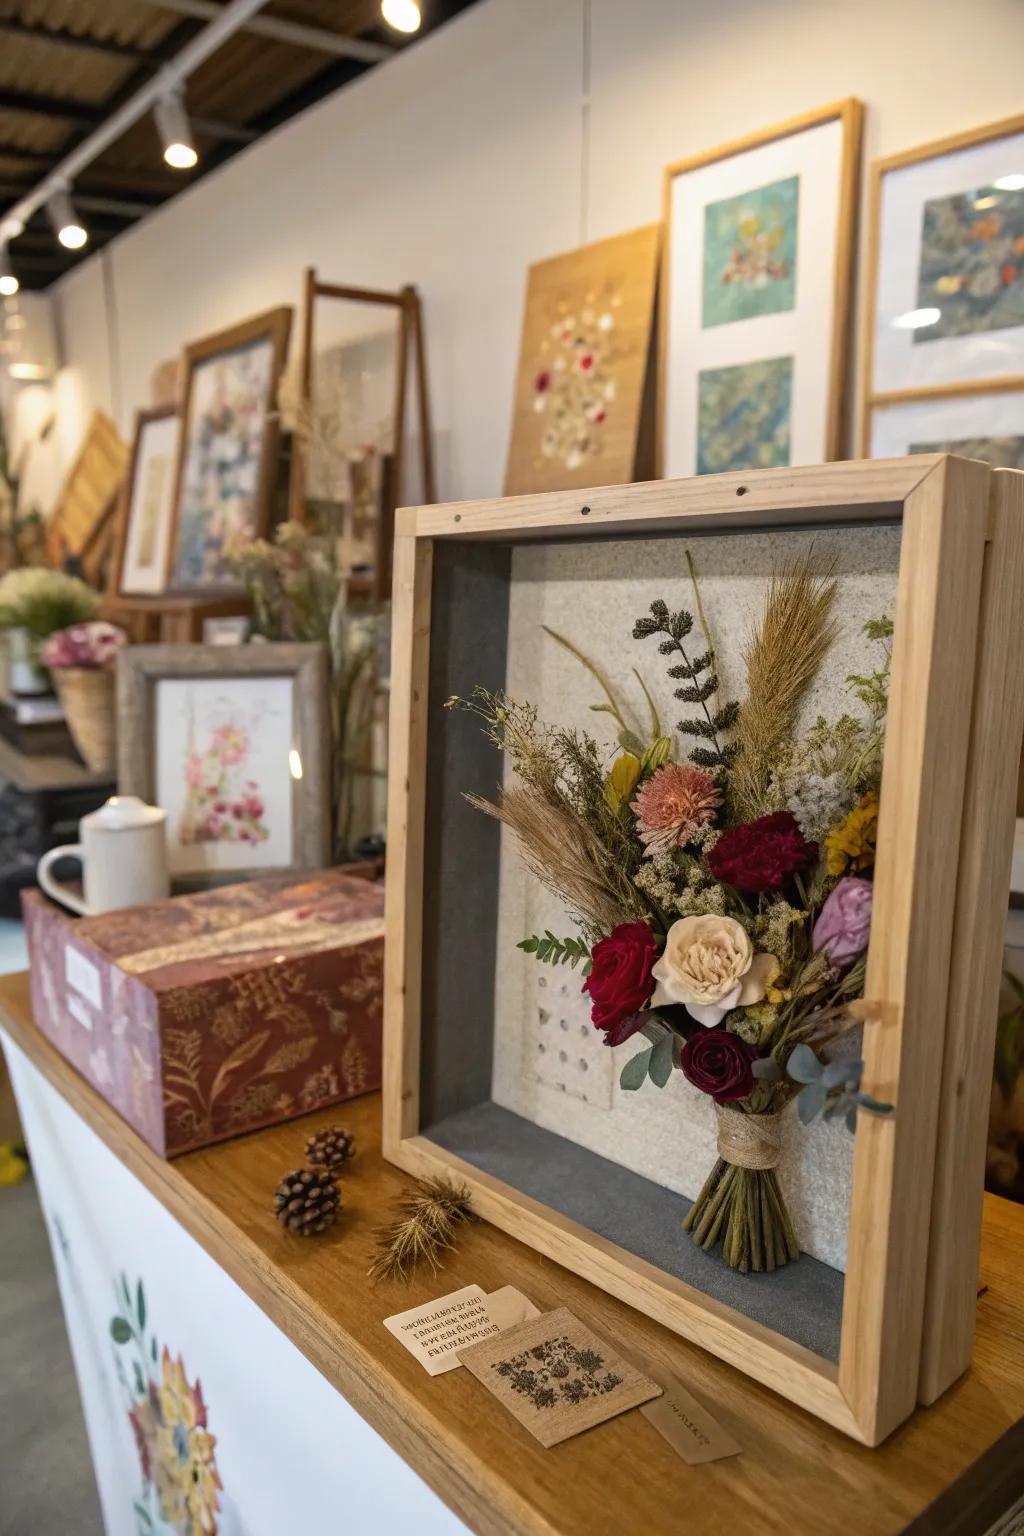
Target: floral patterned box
{"points": [[207, 1015]]}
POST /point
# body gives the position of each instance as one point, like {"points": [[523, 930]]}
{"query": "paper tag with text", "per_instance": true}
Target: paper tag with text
{"points": [[509, 1307], [435, 1332], [683, 1421]]}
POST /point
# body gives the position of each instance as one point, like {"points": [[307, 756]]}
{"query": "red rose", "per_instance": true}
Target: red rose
{"points": [[760, 854], [620, 980], [719, 1063]]}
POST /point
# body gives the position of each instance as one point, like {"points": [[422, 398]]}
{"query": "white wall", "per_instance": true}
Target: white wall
{"points": [[517, 131]]}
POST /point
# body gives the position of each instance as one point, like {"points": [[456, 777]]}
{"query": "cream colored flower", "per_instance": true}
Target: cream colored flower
{"points": [[709, 966]]}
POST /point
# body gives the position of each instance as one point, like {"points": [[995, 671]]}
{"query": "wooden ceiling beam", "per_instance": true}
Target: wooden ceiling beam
{"points": [[85, 115], [60, 35], [280, 30]]}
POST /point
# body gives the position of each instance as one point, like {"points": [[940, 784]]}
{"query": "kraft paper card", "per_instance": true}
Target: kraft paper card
{"points": [[684, 1421], [437, 1331], [557, 1377]]}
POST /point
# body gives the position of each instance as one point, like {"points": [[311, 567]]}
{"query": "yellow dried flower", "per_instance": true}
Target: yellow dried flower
{"points": [[852, 844], [622, 780]]}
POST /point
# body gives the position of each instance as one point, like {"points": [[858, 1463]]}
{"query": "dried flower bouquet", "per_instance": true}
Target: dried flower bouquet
{"points": [[721, 887]]}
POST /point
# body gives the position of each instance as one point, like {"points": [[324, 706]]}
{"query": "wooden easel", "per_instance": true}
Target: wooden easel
{"points": [[409, 339]]}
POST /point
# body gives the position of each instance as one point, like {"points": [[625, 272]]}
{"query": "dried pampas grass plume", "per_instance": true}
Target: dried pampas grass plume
{"points": [[782, 657], [426, 1224]]}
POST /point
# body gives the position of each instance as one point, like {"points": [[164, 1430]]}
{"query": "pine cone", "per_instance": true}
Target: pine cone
{"points": [[307, 1201], [331, 1148]]}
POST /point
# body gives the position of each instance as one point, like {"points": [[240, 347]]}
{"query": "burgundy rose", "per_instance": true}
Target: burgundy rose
{"points": [[719, 1063], [760, 854], [620, 980]]}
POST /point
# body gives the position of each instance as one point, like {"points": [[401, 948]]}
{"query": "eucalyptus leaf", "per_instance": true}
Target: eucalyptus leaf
{"points": [[842, 1074], [803, 1066], [634, 1073], [653, 1029], [661, 1062], [810, 1102]]}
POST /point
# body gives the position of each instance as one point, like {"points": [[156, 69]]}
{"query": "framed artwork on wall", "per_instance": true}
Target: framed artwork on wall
{"points": [[944, 318], [492, 1071], [755, 297], [583, 362], [988, 426], [144, 535], [232, 742], [227, 460]]}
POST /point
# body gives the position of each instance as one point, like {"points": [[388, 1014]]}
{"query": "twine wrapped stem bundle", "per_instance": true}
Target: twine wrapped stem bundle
{"points": [[741, 1204]]}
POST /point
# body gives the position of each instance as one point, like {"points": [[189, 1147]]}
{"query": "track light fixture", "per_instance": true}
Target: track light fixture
{"points": [[175, 133], [402, 15], [9, 284], [67, 226]]}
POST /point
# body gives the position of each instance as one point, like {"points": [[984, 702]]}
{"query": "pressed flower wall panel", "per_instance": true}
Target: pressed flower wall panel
{"points": [[580, 388], [589, 595]]}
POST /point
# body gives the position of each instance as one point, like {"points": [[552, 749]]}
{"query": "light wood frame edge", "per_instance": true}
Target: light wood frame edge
{"points": [[850, 112], [141, 667], [876, 1388], [870, 399], [275, 324], [982, 898]]}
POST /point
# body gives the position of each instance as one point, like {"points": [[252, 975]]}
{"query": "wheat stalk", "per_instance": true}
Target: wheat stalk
{"points": [[565, 854], [782, 658]]}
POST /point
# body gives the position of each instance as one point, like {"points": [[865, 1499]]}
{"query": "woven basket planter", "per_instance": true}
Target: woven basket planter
{"points": [[87, 697]]}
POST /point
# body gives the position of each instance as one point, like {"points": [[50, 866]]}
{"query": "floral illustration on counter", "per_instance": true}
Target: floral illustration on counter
{"points": [[180, 1481], [574, 388], [719, 876], [556, 1371], [222, 804]]}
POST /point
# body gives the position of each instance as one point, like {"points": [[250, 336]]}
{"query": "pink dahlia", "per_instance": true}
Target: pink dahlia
{"points": [[673, 804]]}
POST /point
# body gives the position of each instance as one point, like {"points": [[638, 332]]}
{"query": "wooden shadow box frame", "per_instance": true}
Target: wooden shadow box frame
{"points": [[941, 883]]}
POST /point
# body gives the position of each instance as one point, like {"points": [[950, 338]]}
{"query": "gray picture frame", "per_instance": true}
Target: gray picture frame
{"points": [[140, 670]]}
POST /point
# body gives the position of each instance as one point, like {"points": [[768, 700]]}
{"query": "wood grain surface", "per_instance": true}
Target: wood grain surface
{"points": [[795, 1475]]}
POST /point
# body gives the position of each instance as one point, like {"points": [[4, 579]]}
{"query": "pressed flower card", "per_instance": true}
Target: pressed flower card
{"points": [[557, 1377]]}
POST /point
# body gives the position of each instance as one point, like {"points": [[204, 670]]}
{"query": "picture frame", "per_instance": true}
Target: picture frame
{"points": [[143, 542], [978, 424], [227, 459], [755, 297], [582, 381], [908, 1300], [945, 273], [233, 742]]}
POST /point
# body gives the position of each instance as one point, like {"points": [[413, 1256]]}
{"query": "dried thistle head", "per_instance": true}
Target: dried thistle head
{"points": [[425, 1226]]}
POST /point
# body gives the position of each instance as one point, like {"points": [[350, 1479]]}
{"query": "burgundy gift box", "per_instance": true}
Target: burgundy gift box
{"points": [[203, 1016]]}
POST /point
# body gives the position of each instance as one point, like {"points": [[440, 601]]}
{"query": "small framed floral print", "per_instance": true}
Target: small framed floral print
{"points": [[232, 743], [946, 281]]}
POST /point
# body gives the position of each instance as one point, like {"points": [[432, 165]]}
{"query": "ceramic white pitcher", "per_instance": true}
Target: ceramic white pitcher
{"points": [[123, 850]]}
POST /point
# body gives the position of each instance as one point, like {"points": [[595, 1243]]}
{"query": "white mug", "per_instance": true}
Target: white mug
{"points": [[123, 850]]}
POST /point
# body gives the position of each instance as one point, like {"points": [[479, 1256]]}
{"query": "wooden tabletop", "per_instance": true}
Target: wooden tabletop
{"points": [[795, 1475]]}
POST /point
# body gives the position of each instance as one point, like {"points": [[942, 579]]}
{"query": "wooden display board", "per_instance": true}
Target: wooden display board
{"points": [[81, 525], [907, 1308]]}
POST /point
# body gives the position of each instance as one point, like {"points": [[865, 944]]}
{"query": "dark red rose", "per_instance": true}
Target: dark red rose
{"points": [[719, 1063], [620, 980], [760, 854]]}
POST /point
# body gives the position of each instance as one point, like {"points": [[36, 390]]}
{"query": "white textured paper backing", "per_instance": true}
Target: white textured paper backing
{"points": [[550, 1064]]}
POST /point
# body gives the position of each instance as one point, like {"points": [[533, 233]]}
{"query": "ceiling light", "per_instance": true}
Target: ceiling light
{"points": [[68, 228], [915, 319], [403, 15], [175, 133], [27, 371], [9, 284], [1012, 183]]}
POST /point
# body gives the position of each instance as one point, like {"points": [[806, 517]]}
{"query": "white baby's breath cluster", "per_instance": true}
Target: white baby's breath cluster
{"points": [[819, 802]]}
